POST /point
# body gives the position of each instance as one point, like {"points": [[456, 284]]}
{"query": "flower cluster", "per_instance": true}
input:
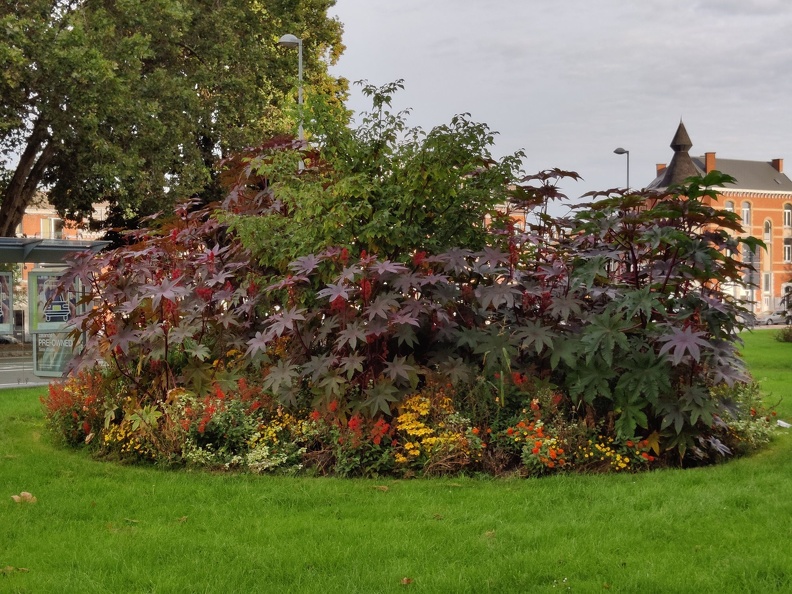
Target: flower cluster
{"points": [[431, 436], [606, 453]]}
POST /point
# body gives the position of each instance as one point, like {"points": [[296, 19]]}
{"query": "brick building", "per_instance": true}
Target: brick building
{"points": [[762, 196]]}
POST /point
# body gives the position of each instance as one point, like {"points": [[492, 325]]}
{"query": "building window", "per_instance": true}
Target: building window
{"points": [[746, 213], [729, 206], [768, 231], [52, 228], [787, 250], [787, 215], [767, 281]]}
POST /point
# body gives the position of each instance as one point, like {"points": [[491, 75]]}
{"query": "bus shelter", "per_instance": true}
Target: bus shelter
{"points": [[49, 309]]}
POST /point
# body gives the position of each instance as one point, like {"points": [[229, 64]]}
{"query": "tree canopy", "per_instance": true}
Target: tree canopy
{"points": [[131, 102], [382, 186]]}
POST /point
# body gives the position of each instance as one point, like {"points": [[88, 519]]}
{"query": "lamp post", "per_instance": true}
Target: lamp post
{"points": [[621, 151], [292, 41]]}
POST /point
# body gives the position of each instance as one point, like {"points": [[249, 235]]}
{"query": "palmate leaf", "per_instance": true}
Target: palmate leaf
{"points": [[630, 416], [683, 341], [332, 385], [379, 398], [641, 301], [603, 335], [281, 376], [567, 350], [591, 380], [456, 370], [382, 306], [497, 347], [387, 267], [350, 335], [401, 372], [497, 294], [351, 364], [533, 334], [317, 366], [645, 375], [306, 264], [563, 306], [454, 260], [406, 335], [280, 323], [334, 291]]}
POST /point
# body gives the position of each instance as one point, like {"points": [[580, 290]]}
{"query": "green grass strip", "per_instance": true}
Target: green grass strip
{"points": [[101, 527]]}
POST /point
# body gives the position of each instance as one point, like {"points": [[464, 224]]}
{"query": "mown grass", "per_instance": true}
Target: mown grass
{"points": [[770, 362], [101, 527]]}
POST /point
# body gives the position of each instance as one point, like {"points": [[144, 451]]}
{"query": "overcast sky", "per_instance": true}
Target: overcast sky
{"points": [[569, 81]]}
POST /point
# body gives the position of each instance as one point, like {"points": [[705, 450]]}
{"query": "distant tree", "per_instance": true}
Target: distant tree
{"points": [[131, 102]]}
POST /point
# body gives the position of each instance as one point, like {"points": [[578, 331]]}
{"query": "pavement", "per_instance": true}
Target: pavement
{"points": [[16, 370]]}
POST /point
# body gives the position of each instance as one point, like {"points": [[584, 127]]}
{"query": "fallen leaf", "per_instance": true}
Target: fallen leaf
{"points": [[182, 520], [490, 534], [24, 497], [23, 569], [406, 581], [382, 488], [131, 521], [437, 517]]}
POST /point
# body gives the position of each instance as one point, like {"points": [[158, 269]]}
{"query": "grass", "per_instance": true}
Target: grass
{"points": [[100, 527]]}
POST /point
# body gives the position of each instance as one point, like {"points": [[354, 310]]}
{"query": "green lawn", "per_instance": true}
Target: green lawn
{"points": [[101, 527]]}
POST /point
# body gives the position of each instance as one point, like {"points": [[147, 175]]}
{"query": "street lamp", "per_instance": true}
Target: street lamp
{"points": [[621, 151], [292, 41]]}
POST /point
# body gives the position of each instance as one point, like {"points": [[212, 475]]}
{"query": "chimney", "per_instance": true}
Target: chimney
{"points": [[778, 165], [660, 168], [709, 162]]}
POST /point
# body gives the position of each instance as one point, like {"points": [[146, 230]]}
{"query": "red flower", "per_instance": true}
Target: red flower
{"points": [[509, 431], [315, 416], [333, 406], [418, 258], [354, 423]]}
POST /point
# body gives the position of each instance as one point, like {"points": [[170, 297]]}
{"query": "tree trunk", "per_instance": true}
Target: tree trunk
{"points": [[23, 185]]}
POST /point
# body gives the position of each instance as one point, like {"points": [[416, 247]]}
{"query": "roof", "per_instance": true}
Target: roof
{"points": [[759, 176], [751, 175], [15, 249]]}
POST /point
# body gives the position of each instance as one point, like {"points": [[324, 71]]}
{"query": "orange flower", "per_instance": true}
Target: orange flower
{"points": [[509, 431], [552, 453], [475, 430]]}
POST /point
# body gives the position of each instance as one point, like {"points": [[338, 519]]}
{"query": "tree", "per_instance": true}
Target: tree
{"points": [[132, 102], [381, 187]]}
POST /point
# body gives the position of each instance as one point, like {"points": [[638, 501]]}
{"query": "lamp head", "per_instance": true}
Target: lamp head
{"points": [[621, 151], [290, 41]]}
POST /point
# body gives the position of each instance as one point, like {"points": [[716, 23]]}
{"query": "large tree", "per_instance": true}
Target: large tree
{"points": [[130, 102]]}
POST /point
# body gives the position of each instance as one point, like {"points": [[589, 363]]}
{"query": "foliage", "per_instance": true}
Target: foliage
{"points": [[171, 309], [131, 103], [597, 340], [382, 187], [784, 335]]}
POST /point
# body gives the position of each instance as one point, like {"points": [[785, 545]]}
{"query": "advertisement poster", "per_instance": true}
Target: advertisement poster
{"points": [[50, 310], [6, 303], [53, 351]]}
